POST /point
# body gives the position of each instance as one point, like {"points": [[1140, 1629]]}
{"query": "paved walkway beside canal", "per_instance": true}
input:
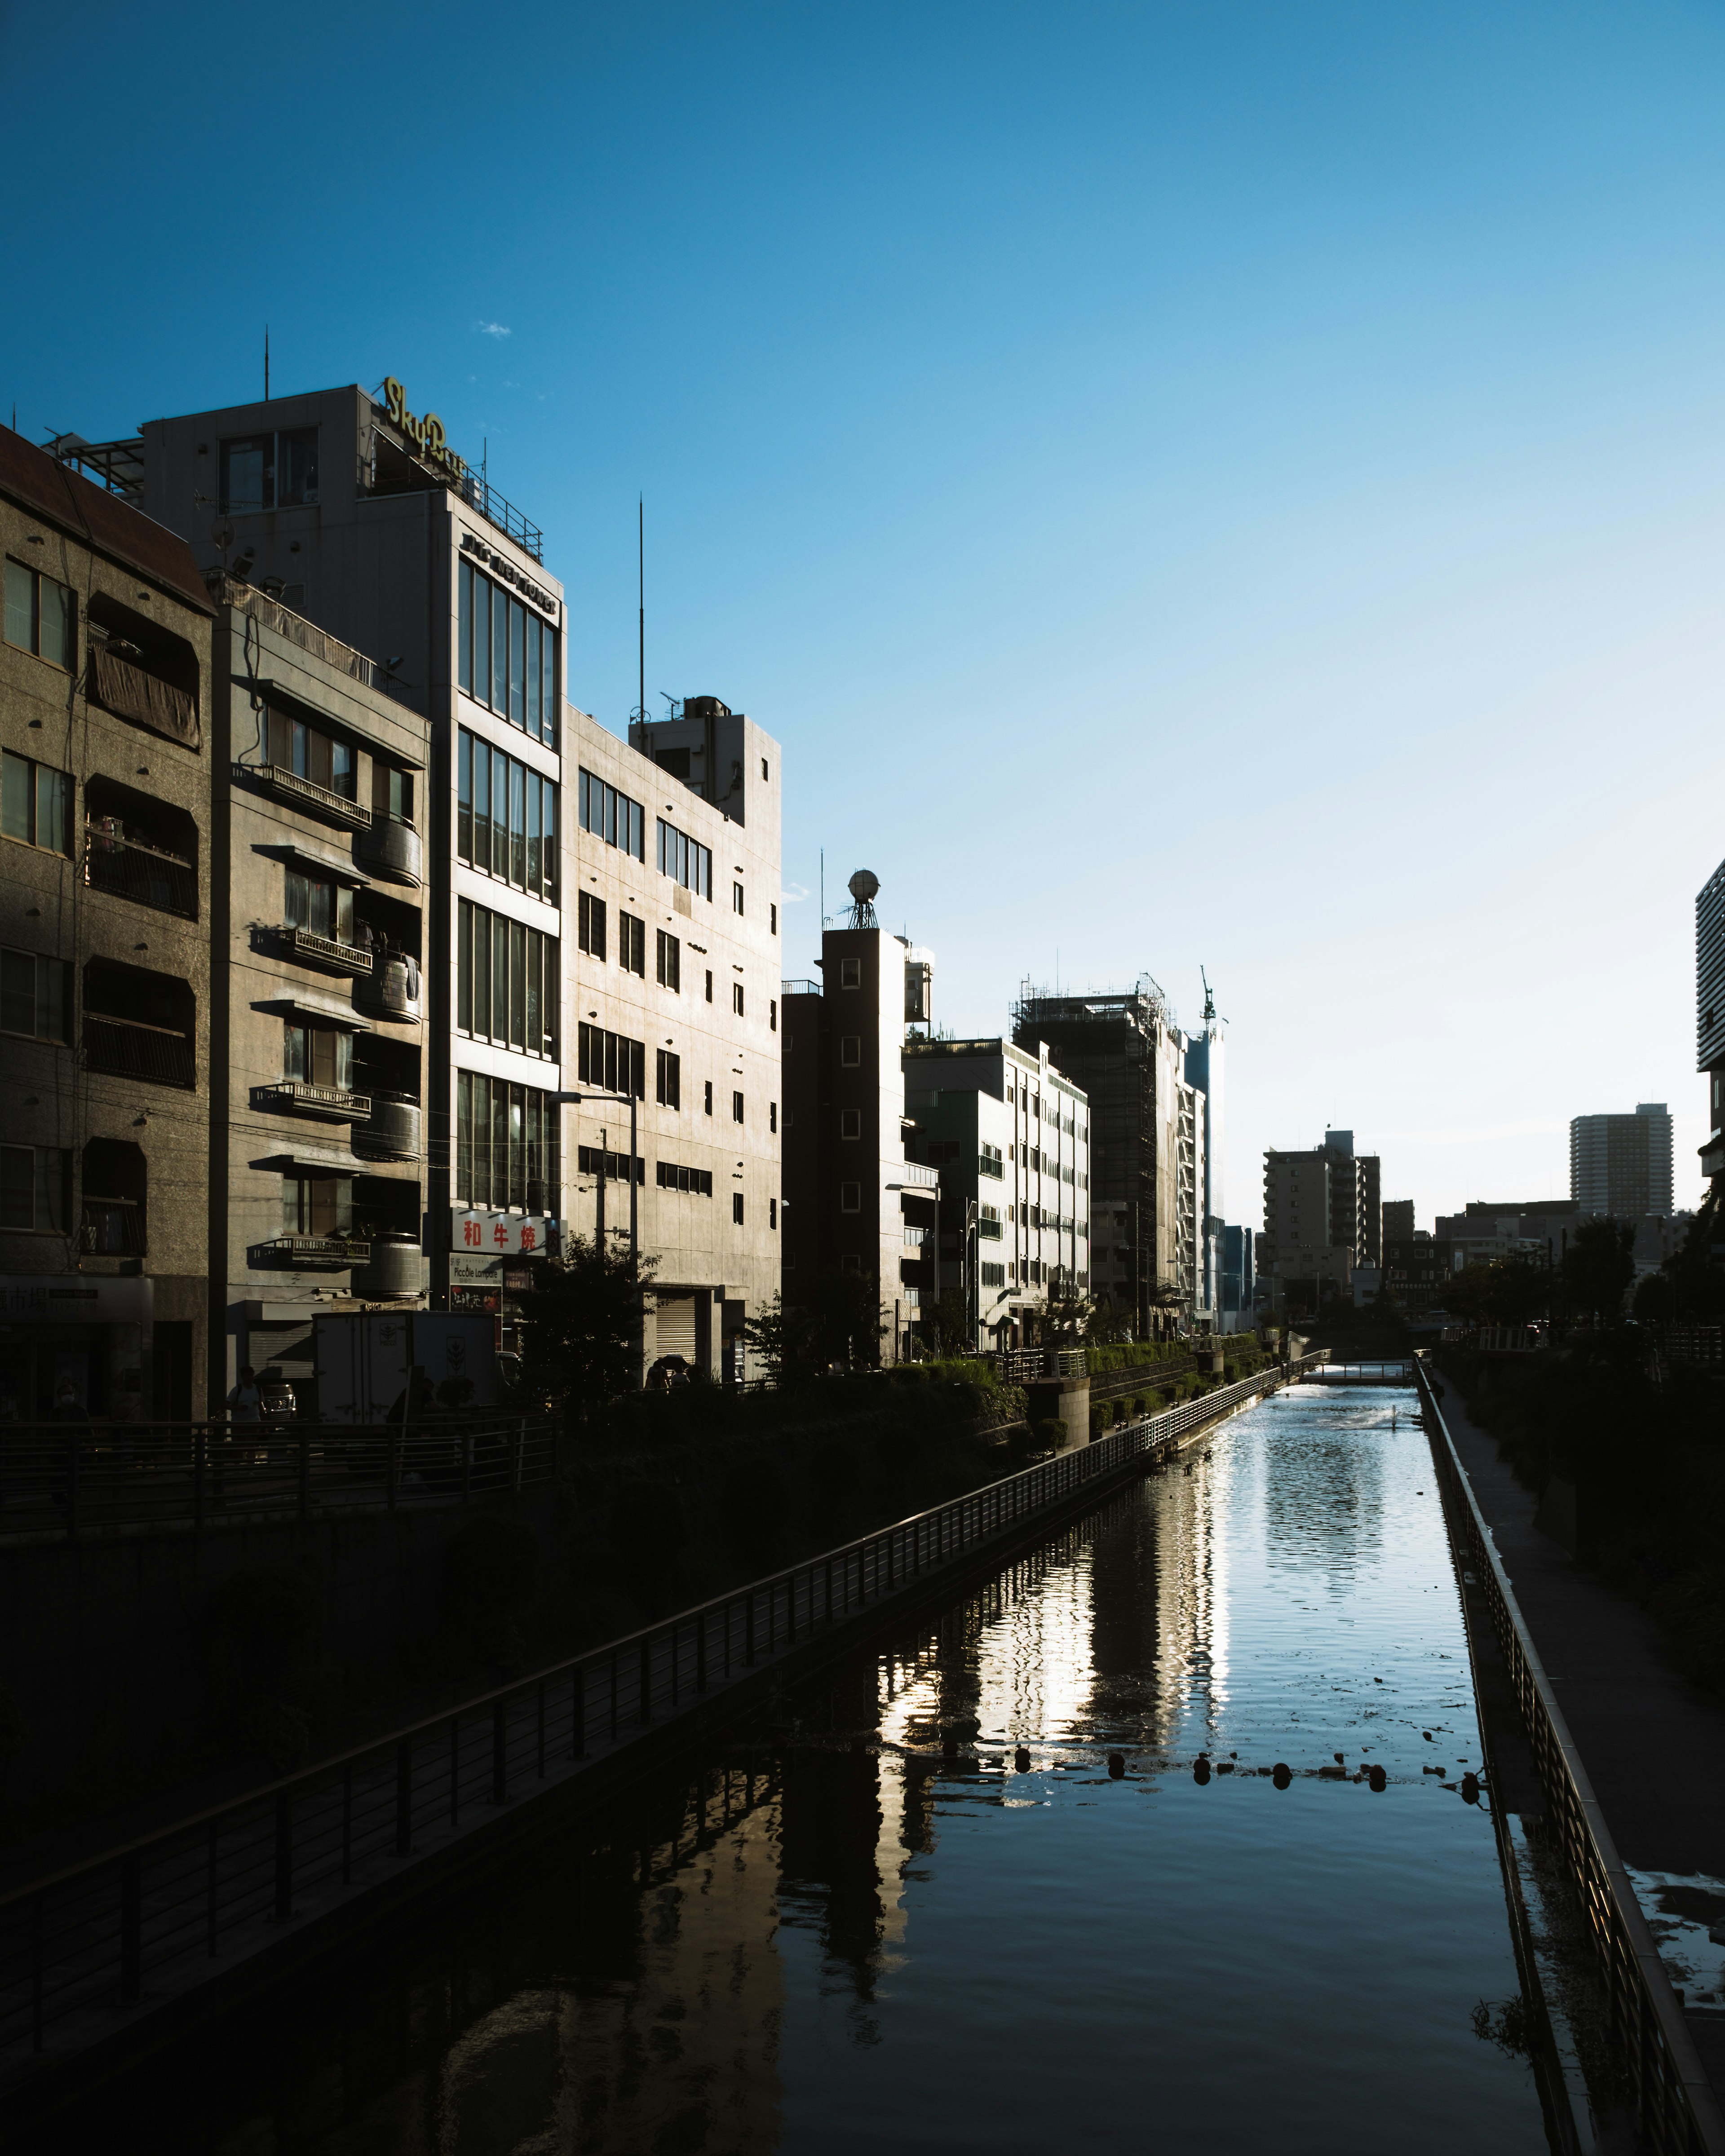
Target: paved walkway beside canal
{"points": [[1653, 1746]]}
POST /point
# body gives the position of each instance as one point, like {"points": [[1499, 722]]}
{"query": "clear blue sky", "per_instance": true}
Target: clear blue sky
{"points": [[1221, 484]]}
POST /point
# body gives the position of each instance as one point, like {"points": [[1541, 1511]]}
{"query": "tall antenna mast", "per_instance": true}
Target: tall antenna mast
{"points": [[641, 578]]}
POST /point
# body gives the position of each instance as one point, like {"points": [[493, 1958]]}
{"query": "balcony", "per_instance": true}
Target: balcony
{"points": [[913, 1176], [325, 952], [393, 1130], [112, 1228], [395, 1268], [394, 851], [330, 1104], [288, 786], [324, 1254], [800, 987], [126, 1048], [127, 869], [915, 1238], [989, 1230], [395, 990]]}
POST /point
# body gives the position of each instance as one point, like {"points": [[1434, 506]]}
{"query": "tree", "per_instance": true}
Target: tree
{"points": [[784, 1340], [1108, 1322], [1498, 1291], [1598, 1268], [582, 1322], [1067, 1313], [946, 1324]]}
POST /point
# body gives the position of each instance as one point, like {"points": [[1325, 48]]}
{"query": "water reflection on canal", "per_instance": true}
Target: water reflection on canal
{"points": [[870, 1927]]}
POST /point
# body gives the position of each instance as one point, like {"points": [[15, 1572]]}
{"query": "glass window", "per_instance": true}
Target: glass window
{"points": [[498, 698], [518, 823], [32, 995], [517, 663], [534, 788], [35, 803], [610, 815], [463, 627], [464, 796], [669, 1084], [20, 606], [246, 475], [296, 467], [685, 861], [35, 1187], [534, 704], [38, 613]]}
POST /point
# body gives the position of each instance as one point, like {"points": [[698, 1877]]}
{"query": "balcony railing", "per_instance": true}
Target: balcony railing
{"points": [[305, 794], [144, 873], [800, 987], [326, 950], [333, 1104], [294, 628], [312, 1253], [392, 1130], [123, 1048], [112, 1228], [394, 992], [914, 1175], [476, 492]]}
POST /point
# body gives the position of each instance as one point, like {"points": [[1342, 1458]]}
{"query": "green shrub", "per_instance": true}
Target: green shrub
{"points": [[1050, 1430]]}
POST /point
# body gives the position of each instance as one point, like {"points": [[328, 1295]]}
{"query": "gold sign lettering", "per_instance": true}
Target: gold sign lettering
{"points": [[427, 434]]}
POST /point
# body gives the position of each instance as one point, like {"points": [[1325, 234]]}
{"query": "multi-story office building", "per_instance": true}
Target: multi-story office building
{"points": [[1709, 1014], [1238, 1281], [1148, 1166], [107, 855], [674, 996], [317, 1087], [857, 1202], [1621, 1165], [1010, 1138], [360, 518]]}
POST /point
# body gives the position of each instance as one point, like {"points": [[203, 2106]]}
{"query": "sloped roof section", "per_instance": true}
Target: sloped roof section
{"points": [[105, 524]]}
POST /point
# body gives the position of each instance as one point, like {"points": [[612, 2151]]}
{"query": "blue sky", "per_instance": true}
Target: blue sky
{"points": [[1227, 484]]}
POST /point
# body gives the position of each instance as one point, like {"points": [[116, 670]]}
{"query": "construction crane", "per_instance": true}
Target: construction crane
{"points": [[1210, 1000]]}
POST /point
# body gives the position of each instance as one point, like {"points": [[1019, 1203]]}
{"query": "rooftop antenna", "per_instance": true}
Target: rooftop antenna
{"points": [[266, 363]]}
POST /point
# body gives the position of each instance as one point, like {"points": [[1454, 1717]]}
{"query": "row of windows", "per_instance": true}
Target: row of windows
{"points": [[611, 816], [507, 982], [611, 1061], [507, 656], [587, 1159], [699, 1180], [506, 1145], [687, 861], [268, 471], [322, 907], [39, 614], [505, 818]]}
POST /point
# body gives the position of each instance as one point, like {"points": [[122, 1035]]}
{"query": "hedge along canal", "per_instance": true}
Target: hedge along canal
{"points": [[1021, 1875]]}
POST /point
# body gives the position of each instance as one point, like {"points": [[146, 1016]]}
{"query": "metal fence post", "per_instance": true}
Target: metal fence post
{"points": [[283, 1856], [131, 1929], [404, 1797]]}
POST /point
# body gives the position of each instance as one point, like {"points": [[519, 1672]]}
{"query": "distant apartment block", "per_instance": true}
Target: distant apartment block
{"points": [[1398, 1216], [1621, 1165], [1709, 1014]]}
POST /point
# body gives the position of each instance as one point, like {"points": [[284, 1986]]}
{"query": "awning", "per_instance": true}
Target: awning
{"points": [[306, 1160], [129, 691], [338, 870], [342, 1015]]}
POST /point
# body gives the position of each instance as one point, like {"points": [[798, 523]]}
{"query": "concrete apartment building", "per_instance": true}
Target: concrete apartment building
{"points": [[1010, 1139], [1323, 1211], [1397, 1218], [1709, 1014], [1148, 1163], [1620, 1165], [857, 1202], [318, 1178], [674, 995], [106, 672]]}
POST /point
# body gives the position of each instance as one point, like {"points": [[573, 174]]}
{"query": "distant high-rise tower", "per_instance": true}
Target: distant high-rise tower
{"points": [[1621, 1165], [1709, 1012]]}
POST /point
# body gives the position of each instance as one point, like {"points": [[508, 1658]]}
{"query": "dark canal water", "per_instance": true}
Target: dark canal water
{"points": [[839, 1934]]}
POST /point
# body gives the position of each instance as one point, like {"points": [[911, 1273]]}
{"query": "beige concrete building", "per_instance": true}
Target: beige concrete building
{"points": [[672, 868], [106, 1010]]}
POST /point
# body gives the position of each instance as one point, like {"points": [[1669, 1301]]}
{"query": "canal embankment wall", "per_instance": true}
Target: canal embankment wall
{"points": [[144, 1672], [117, 1951]]}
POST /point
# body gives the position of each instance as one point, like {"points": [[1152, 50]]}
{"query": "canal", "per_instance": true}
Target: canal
{"points": [[1094, 1857]]}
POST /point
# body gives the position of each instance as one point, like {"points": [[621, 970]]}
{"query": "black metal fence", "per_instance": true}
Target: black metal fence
{"points": [[108, 1937], [73, 1479], [1678, 2114]]}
